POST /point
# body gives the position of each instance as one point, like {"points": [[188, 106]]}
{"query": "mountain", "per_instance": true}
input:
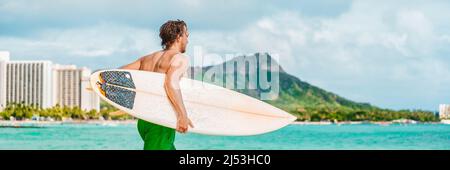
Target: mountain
{"points": [[293, 93]]}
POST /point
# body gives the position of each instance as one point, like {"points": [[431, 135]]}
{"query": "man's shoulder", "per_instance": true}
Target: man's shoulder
{"points": [[180, 57], [179, 60]]}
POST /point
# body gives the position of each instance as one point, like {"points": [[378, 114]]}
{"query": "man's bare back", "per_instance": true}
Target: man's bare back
{"points": [[158, 61]]}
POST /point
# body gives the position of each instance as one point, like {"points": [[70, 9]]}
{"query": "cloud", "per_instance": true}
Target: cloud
{"points": [[392, 54], [103, 45], [23, 17]]}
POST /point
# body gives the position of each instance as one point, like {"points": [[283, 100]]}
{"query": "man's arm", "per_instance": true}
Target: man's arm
{"points": [[133, 66], [176, 70]]}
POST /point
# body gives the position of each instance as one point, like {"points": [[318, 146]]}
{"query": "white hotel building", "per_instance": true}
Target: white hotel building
{"points": [[70, 85], [44, 84], [444, 111]]}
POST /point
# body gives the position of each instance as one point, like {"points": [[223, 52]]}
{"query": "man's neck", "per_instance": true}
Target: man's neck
{"points": [[174, 48]]}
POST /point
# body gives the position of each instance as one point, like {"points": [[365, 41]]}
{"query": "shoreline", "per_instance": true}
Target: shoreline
{"points": [[357, 123], [18, 123]]}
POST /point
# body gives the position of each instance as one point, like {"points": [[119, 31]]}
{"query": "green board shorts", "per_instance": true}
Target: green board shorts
{"points": [[156, 137]]}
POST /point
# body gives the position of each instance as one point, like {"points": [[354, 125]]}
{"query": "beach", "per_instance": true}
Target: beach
{"points": [[19, 123], [34, 122]]}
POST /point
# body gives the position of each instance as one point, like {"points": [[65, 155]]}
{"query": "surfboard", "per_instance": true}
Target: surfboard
{"points": [[213, 110]]}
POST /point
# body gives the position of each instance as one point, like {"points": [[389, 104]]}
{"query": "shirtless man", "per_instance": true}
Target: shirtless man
{"points": [[171, 61]]}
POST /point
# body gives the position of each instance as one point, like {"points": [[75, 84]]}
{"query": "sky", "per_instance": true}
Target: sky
{"points": [[392, 54]]}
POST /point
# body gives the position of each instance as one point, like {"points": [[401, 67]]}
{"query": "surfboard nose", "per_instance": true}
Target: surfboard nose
{"points": [[292, 118]]}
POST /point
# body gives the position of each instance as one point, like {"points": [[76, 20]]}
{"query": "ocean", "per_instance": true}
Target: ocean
{"points": [[121, 136]]}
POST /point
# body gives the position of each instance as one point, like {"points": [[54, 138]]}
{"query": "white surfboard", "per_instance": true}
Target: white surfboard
{"points": [[213, 110]]}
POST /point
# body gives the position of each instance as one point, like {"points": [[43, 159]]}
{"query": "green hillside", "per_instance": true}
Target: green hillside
{"points": [[306, 101], [293, 93]]}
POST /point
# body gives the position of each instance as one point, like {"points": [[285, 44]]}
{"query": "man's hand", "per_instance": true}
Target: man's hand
{"points": [[182, 124]]}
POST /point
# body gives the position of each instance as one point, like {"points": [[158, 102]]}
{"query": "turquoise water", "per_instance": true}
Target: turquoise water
{"points": [[125, 136]]}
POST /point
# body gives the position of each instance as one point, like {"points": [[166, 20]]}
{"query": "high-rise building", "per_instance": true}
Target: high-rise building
{"points": [[70, 87], [45, 84], [4, 58], [444, 111], [25, 81], [90, 100]]}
